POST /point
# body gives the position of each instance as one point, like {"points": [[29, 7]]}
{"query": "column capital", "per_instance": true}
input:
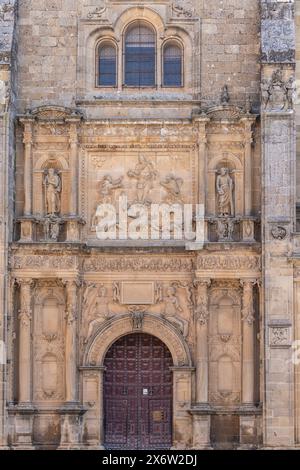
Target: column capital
{"points": [[202, 282], [247, 282], [71, 283], [24, 282]]}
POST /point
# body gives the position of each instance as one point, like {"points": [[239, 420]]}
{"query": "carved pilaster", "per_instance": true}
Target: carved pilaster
{"points": [[248, 319], [73, 139], [248, 140], [28, 143], [71, 287], [25, 317], [201, 327]]}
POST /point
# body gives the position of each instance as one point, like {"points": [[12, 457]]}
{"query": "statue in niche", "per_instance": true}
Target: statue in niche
{"points": [[172, 309], [100, 311], [107, 189], [144, 173], [173, 186], [225, 193], [52, 183]]}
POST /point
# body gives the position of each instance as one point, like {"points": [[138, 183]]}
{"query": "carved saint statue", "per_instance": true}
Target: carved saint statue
{"points": [[173, 186], [172, 309], [225, 193], [100, 310], [145, 174], [52, 184]]}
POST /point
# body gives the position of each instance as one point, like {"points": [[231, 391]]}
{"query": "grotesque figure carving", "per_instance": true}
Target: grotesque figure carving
{"points": [[53, 188], [225, 193]]}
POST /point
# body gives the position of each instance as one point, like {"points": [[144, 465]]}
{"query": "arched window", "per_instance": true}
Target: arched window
{"points": [[172, 65], [107, 73], [140, 55]]}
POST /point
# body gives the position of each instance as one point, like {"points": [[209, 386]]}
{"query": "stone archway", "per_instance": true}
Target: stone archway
{"points": [[94, 365], [154, 325]]}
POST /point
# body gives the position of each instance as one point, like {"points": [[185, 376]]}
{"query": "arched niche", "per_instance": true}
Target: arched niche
{"points": [[233, 163]]}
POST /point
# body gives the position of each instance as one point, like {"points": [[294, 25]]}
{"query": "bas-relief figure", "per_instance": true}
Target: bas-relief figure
{"points": [[173, 309], [172, 186], [277, 93], [107, 193], [99, 311], [225, 193], [145, 174]]}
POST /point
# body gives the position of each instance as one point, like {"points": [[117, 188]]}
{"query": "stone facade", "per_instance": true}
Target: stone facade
{"points": [[227, 309]]}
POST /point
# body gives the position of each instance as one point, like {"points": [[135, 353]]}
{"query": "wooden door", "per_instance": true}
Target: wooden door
{"points": [[138, 394]]}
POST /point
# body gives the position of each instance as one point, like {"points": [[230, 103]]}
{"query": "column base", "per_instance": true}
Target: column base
{"points": [[71, 426]]}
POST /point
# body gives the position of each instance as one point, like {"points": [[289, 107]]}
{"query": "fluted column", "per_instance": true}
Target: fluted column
{"points": [[25, 317], [201, 328], [248, 319], [70, 340]]}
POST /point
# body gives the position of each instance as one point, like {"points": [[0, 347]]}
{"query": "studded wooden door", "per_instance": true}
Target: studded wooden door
{"points": [[138, 394]]}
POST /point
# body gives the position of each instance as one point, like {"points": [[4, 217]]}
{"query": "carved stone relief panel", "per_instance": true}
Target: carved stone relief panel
{"points": [[102, 302], [48, 345], [225, 342], [143, 176]]}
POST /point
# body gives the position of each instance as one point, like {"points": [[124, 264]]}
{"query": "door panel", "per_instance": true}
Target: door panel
{"points": [[138, 394]]}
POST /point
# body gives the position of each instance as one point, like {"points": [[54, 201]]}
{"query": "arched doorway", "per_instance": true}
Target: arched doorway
{"points": [[138, 394]]}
